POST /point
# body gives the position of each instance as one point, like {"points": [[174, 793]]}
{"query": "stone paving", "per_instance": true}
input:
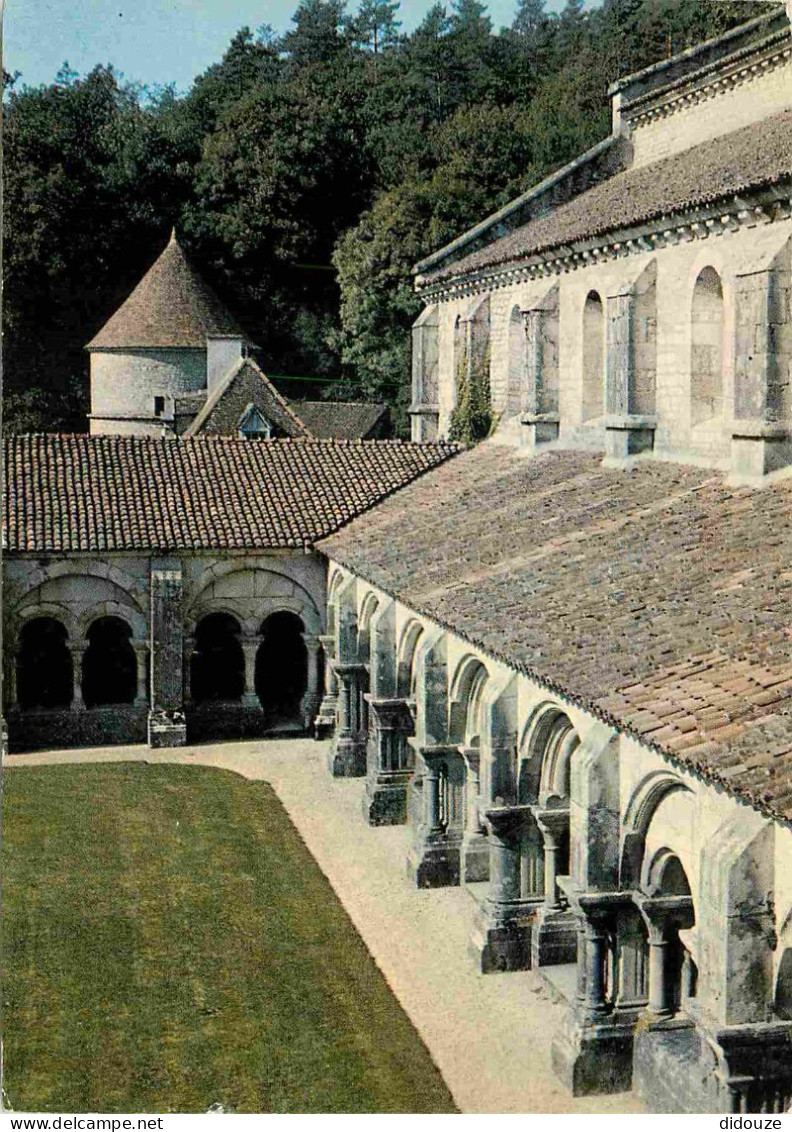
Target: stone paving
{"points": [[489, 1035]]}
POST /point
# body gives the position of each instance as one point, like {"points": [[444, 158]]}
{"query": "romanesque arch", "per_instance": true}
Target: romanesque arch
{"points": [[545, 755], [465, 702], [281, 671], [638, 815], [109, 664], [406, 657], [217, 667], [707, 354], [250, 594], [593, 357], [44, 673]]}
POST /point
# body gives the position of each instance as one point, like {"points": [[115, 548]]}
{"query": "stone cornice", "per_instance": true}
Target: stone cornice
{"points": [[710, 82], [763, 206]]}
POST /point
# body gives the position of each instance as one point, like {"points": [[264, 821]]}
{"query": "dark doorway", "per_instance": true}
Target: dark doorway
{"points": [[282, 668], [218, 663], [44, 665], [109, 674]]}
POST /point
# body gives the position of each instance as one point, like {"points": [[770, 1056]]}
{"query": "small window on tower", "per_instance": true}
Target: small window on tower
{"points": [[253, 425], [159, 406]]}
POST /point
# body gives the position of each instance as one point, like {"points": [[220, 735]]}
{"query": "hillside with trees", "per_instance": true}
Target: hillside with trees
{"points": [[306, 173]]}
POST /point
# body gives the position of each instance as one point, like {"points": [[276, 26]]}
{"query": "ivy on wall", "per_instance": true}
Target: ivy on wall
{"points": [[471, 420]]}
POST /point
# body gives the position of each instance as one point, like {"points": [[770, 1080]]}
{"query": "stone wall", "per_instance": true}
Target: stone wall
{"points": [[125, 383]]}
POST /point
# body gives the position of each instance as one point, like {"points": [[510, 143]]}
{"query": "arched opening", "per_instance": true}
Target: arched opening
{"points": [[783, 997], [109, 674], [406, 668], [44, 665], [516, 377], [218, 663], [282, 668], [593, 357], [706, 348], [667, 878]]}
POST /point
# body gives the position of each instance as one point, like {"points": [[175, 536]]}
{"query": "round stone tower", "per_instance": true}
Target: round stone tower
{"points": [[170, 344]]}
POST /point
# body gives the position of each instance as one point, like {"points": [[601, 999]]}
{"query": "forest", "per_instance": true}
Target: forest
{"points": [[305, 173]]}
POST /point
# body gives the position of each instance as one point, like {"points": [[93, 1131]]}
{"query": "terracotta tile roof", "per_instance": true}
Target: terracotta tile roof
{"points": [[752, 157], [344, 420], [110, 493], [245, 384], [658, 598], [171, 306]]}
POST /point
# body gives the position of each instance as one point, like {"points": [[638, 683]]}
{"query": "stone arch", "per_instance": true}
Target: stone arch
{"points": [[665, 875], [593, 359], [465, 701], [545, 753], [79, 598], [135, 620], [515, 385], [638, 815], [217, 669], [51, 609], [368, 608], [334, 583], [707, 347], [406, 655], [131, 586], [281, 667], [109, 664], [250, 593]]}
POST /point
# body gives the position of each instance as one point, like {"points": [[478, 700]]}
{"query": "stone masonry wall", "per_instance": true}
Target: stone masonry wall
{"points": [[124, 385]]}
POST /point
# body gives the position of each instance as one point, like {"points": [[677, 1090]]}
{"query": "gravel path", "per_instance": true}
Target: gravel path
{"points": [[489, 1035]]}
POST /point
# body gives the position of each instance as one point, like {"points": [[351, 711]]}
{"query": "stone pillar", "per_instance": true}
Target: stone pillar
{"points": [[631, 996], [501, 939], [77, 650], [187, 654], [434, 860], [250, 647], [475, 843], [539, 420], [141, 658], [626, 432], [326, 715], [555, 933], [348, 753], [663, 916], [313, 693], [167, 725], [390, 766], [10, 681], [762, 431]]}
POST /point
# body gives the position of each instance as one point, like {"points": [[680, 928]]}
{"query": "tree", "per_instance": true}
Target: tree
{"points": [[375, 26]]}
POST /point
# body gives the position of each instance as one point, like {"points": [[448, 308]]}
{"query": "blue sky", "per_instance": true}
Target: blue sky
{"points": [[152, 41]]}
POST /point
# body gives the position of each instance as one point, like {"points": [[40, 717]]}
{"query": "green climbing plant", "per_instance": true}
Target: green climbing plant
{"points": [[471, 420]]}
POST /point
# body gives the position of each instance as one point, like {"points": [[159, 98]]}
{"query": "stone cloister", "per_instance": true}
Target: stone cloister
{"points": [[639, 892]]}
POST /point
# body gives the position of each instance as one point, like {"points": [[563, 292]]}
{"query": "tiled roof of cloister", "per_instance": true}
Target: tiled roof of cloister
{"points": [[659, 598], [110, 493], [752, 157]]}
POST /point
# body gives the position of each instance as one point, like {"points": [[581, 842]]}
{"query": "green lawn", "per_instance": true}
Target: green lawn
{"points": [[169, 943]]}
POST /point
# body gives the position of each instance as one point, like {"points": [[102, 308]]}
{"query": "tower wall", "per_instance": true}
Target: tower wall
{"points": [[124, 384]]}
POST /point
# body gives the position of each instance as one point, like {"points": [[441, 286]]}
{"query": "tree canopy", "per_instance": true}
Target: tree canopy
{"points": [[306, 173]]}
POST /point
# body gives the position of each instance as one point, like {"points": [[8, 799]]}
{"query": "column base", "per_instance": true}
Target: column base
{"points": [[591, 1060], [167, 729], [554, 938], [757, 450], [501, 937], [538, 429], [324, 723], [385, 800], [475, 858], [347, 758], [435, 863], [627, 436]]}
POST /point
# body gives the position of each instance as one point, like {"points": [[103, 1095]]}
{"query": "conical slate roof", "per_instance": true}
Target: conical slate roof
{"points": [[171, 306]]}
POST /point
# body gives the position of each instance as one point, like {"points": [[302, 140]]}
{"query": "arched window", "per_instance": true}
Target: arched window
{"points": [[282, 667], [706, 348], [593, 357], [44, 665], [406, 670], [218, 663], [109, 674], [515, 389]]}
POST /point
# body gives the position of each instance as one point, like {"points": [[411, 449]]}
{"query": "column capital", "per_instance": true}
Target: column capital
{"points": [[553, 824], [312, 643], [390, 714], [506, 822], [663, 914]]}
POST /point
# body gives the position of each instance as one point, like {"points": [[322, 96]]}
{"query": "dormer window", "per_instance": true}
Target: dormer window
{"points": [[253, 425], [159, 406]]}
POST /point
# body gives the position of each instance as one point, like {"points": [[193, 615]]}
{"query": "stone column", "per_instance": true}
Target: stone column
{"points": [[77, 650], [167, 723], [313, 695], [553, 824], [475, 843], [434, 860], [390, 764], [10, 681], [326, 716], [187, 655], [663, 916], [540, 421], [141, 658], [348, 753], [501, 939], [555, 932], [626, 432], [250, 647]]}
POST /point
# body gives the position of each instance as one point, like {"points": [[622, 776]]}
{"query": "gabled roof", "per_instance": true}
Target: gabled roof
{"points": [[67, 494], [171, 306], [659, 599], [342, 420], [753, 157], [245, 383]]}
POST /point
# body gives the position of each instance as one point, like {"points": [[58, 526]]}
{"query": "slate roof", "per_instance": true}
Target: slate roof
{"points": [[245, 383], [658, 598], [755, 156], [113, 493], [344, 420], [171, 306]]}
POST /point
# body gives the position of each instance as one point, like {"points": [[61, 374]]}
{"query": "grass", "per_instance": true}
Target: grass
{"points": [[169, 943]]}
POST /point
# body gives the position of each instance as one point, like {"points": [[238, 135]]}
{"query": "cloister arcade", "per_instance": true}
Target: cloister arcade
{"points": [[626, 882]]}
